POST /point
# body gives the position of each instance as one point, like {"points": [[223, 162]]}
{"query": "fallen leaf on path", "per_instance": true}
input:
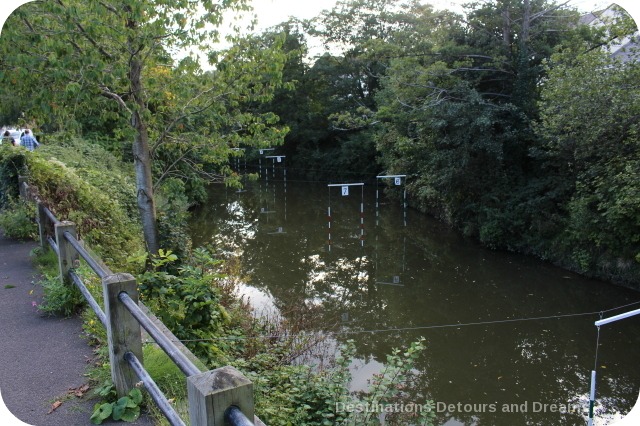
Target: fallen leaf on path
{"points": [[55, 406], [79, 391]]}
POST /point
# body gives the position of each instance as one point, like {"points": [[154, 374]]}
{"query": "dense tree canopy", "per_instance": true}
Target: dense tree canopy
{"points": [[590, 126], [512, 121], [476, 109]]}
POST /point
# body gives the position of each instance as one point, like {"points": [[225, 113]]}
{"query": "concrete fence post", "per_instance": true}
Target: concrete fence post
{"points": [[212, 392], [123, 330], [22, 180], [67, 255]]}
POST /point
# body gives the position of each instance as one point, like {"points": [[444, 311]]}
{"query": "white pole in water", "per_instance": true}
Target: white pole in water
{"points": [[398, 181], [592, 397], [592, 394], [617, 317], [362, 224]]}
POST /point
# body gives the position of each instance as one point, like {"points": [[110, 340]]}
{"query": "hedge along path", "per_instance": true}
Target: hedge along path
{"points": [[42, 358]]}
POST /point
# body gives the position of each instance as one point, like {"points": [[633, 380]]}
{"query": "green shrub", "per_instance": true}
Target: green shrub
{"points": [[60, 298], [298, 394], [17, 220], [98, 167], [187, 302], [100, 202], [46, 261], [126, 408], [12, 165], [172, 204]]}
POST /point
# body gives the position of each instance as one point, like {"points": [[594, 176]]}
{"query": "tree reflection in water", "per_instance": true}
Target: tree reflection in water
{"points": [[408, 279]]}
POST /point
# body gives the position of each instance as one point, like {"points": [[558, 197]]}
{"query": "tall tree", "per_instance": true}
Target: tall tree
{"points": [[87, 52], [458, 113], [590, 125]]}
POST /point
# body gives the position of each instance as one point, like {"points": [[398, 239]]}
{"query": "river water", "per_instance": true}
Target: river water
{"points": [[510, 340]]}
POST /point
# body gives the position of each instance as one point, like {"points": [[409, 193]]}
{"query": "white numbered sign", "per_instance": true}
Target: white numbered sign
{"points": [[398, 181], [345, 191]]}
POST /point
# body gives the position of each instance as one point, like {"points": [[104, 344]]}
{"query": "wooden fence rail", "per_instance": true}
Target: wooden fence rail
{"points": [[216, 397]]}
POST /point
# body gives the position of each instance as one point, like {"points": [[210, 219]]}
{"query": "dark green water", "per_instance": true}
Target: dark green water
{"points": [[396, 283]]}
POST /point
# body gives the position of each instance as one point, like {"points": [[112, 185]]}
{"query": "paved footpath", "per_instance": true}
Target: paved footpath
{"points": [[41, 357]]}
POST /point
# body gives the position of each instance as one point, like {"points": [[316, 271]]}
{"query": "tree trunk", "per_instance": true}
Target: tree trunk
{"points": [[526, 23], [506, 29], [142, 160]]}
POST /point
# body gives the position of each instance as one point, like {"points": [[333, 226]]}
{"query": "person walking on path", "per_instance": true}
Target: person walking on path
{"points": [[28, 141], [6, 137]]}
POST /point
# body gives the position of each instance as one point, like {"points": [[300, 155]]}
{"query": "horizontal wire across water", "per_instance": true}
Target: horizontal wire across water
{"points": [[425, 327]]}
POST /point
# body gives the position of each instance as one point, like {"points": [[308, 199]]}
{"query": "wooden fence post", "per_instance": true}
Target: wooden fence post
{"points": [[212, 392], [123, 330], [42, 225], [67, 255]]}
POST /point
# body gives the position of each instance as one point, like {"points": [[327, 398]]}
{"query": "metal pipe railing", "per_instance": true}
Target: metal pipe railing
{"points": [[50, 215], [53, 245], [89, 298], [235, 417], [183, 363], [154, 391], [97, 268]]}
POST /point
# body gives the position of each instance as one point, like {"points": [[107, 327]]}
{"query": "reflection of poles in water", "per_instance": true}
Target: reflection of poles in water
{"points": [[362, 219], [329, 226], [396, 278], [397, 180], [277, 159], [355, 285], [344, 188]]}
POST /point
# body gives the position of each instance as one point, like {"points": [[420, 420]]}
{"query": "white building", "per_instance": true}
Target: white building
{"points": [[626, 49]]}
